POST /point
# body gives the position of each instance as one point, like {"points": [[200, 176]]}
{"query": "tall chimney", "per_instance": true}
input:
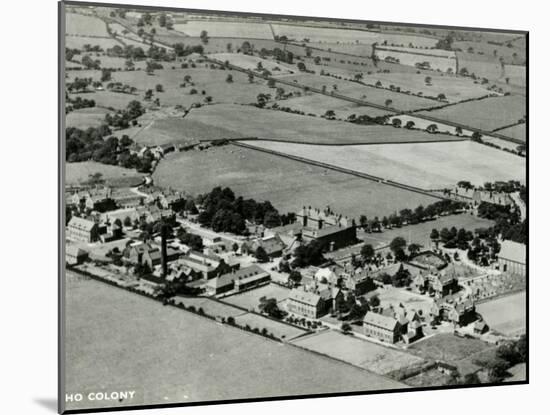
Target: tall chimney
{"points": [[163, 254]]}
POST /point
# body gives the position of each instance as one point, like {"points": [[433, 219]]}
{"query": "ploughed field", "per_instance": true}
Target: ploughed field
{"points": [[288, 184], [250, 121], [424, 165], [181, 357]]}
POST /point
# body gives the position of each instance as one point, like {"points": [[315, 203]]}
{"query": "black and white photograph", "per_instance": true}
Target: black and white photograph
{"points": [[265, 206]]}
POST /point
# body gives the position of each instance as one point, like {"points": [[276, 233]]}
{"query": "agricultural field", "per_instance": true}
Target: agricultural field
{"points": [[251, 299], [399, 101], [515, 74], [239, 357], [210, 307], [423, 124], [424, 165], [518, 131], [250, 121], [454, 88], [225, 29], [506, 314], [511, 55], [212, 81], [446, 64], [348, 36], [480, 65], [77, 173], [251, 63], [373, 357], [78, 42], [78, 24], [288, 184], [486, 114], [86, 117]]}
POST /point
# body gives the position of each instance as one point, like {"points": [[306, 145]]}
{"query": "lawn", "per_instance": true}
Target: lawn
{"points": [[487, 114], [373, 357], [448, 347], [116, 338], [420, 233], [250, 121], [288, 184], [225, 29], [424, 165], [77, 173], [412, 301], [506, 314], [251, 299], [280, 330], [78, 24]]}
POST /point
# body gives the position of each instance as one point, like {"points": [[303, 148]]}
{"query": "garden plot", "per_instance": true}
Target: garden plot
{"points": [[424, 165]]}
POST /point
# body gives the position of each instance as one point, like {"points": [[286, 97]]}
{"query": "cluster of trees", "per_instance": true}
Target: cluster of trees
{"points": [[71, 53], [77, 103], [308, 254], [192, 240], [278, 54], [269, 306], [122, 118], [181, 49], [121, 88], [79, 84], [507, 355], [128, 52], [402, 278], [507, 221], [222, 211], [483, 246], [446, 43], [411, 217], [159, 53], [90, 63], [150, 66]]}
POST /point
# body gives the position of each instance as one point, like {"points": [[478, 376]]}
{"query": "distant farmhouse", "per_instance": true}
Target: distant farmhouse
{"points": [[512, 258]]}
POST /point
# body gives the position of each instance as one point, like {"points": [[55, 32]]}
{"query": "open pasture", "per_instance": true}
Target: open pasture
{"points": [[99, 311], [399, 101], [250, 121], [424, 165], [518, 131], [512, 55], [481, 65], [516, 74], [506, 314], [78, 42], [358, 352], [251, 299], [86, 117], [448, 348], [251, 63], [288, 184], [225, 29], [348, 36], [454, 88], [79, 24], [487, 114], [78, 173], [445, 64]]}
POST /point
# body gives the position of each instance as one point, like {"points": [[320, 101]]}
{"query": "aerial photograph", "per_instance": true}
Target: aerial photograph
{"points": [[262, 206]]}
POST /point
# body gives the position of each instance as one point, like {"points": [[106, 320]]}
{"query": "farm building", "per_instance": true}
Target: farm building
{"points": [[82, 230], [512, 257], [75, 255], [385, 328]]}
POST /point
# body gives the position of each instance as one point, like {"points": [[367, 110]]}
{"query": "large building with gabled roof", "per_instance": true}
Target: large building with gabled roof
{"points": [[512, 257]]}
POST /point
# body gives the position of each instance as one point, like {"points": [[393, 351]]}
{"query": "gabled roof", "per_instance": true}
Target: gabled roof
{"points": [[304, 297], [81, 224], [513, 251], [379, 320]]}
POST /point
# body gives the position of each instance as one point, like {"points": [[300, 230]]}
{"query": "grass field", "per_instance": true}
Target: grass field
{"points": [[420, 233], [448, 347], [348, 36], [425, 165], [251, 63], [506, 314], [100, 320], [225, 29], [516, 74], [455, 88], [78, 42], [78, 24], [517, 131], [288, 184], [422, 124], [437, 62], [86, 117], [250, 121], [355, 90], [370, 356], [76, 173], [251, 299], [487, 114], [481, 65], [212, 81], [278, 329]]}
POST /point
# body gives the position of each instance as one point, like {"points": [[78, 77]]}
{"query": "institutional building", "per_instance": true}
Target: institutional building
{"points": [[382, 327], [82, 230], [512, 258]]}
